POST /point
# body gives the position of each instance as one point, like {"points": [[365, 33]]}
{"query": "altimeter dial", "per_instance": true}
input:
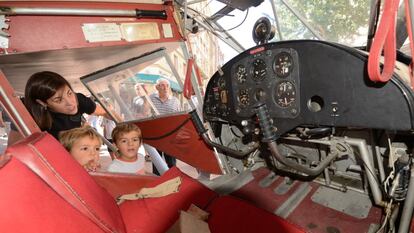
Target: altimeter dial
{"points": [[285, 94]]}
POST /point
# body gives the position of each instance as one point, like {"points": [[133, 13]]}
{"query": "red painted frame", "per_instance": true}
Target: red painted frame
{"points": [[183, 142], [31, 33]]}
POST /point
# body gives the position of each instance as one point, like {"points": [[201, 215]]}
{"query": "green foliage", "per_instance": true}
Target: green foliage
{"points": [[344, 21]]}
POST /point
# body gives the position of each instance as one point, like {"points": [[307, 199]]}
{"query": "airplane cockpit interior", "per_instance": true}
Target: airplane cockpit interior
{"points": [[290, 132]]}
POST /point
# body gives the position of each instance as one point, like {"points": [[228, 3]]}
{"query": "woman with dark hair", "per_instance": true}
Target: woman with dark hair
{"points": [[53, 104]]}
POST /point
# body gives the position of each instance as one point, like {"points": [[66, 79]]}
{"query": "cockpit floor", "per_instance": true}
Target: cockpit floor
{"points": [[295, 204]]}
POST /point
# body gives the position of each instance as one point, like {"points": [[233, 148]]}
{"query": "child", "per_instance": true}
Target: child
{"points": [[83, 144], [127, 139]]}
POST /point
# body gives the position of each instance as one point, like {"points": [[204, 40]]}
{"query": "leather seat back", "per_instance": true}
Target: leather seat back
{"points": [[29, 204]]}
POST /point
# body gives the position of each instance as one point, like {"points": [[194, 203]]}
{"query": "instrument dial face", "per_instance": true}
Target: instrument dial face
{"points": [[259, 70], [241, 73], [283, 64], [285, 94], [260, 94], [243, 97]]}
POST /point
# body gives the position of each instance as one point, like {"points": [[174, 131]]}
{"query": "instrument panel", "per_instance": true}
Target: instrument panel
{"points": [[269, 77], [312, 83]]}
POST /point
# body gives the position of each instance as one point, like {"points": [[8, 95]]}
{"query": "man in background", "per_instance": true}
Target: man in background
{"points": [[163, 100], [165, 103]]}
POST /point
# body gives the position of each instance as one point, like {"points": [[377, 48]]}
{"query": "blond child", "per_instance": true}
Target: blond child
{"points": [[127, 139], [83, 144]]}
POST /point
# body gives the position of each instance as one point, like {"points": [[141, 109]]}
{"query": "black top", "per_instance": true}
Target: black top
{"points": [[63, 122]]}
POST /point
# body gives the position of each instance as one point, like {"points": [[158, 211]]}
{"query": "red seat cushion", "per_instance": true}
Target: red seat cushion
{"points": [[229, 214], [28, 204], [154, 215]]}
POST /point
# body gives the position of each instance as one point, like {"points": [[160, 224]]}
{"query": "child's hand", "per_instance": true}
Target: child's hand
{"points": [[92, 166]]}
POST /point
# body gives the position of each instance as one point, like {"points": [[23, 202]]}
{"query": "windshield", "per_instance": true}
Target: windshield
{"points": [[344, 22]]}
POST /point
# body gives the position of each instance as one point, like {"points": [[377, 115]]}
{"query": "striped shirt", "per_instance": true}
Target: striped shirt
{"points": [[172, 104]]}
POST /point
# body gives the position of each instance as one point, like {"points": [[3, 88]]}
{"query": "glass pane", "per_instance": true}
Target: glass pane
{"points": [[129, 90], [9, 134], [240, 23], [338, 21], [208, 8]]}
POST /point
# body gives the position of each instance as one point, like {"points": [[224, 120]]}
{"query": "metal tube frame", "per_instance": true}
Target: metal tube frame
{"points": [[408, 206], [279, 32], [66, 11]]}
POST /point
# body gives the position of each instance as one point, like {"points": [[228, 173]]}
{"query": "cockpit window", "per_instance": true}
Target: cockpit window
{"points": [[129, 90], [338, 21], [8, 132], [344, 22]]}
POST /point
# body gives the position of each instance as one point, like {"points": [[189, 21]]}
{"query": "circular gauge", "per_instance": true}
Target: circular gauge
{"points": [[222, 83], [285, 94], [260, 94], [259, 69], [243, 97], [241, 73], [283, 64]]}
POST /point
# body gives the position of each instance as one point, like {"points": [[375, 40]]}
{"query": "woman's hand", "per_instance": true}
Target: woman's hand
{"points": [[100, 111]]}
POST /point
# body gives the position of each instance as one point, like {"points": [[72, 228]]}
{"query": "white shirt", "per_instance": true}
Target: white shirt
{"points": [[120, 166], [172, 104]]}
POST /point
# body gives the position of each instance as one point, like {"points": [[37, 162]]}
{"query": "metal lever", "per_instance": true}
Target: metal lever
{"points": [[203, 133], [265, 123], [270, 137]]}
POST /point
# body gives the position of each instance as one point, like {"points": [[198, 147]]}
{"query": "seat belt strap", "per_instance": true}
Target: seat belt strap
{"points": [[384, 40], [410, 36]]}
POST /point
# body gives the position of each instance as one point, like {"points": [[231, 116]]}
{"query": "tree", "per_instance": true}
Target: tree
{"points": [[344, 21]]}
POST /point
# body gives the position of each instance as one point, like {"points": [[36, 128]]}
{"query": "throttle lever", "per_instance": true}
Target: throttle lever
{"points": [[265, 122]]}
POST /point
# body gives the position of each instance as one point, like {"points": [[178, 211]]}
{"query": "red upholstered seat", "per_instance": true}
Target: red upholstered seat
{"points": [[229, 214], [28, 204], [155, 215]]}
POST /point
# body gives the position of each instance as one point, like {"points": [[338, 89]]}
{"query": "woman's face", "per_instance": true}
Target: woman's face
{"points": [[63, 101], [85, 150]]}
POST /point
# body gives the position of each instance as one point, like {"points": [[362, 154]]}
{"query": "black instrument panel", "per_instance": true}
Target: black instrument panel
{"points": [[307, 83], [263, 78]]}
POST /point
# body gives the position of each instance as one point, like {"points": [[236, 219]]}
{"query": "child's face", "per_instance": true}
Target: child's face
{"points": [[85, 150], [128, 145]]}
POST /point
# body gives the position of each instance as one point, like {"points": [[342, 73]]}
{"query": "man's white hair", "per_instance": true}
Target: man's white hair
{"points": [[160, 80]]}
